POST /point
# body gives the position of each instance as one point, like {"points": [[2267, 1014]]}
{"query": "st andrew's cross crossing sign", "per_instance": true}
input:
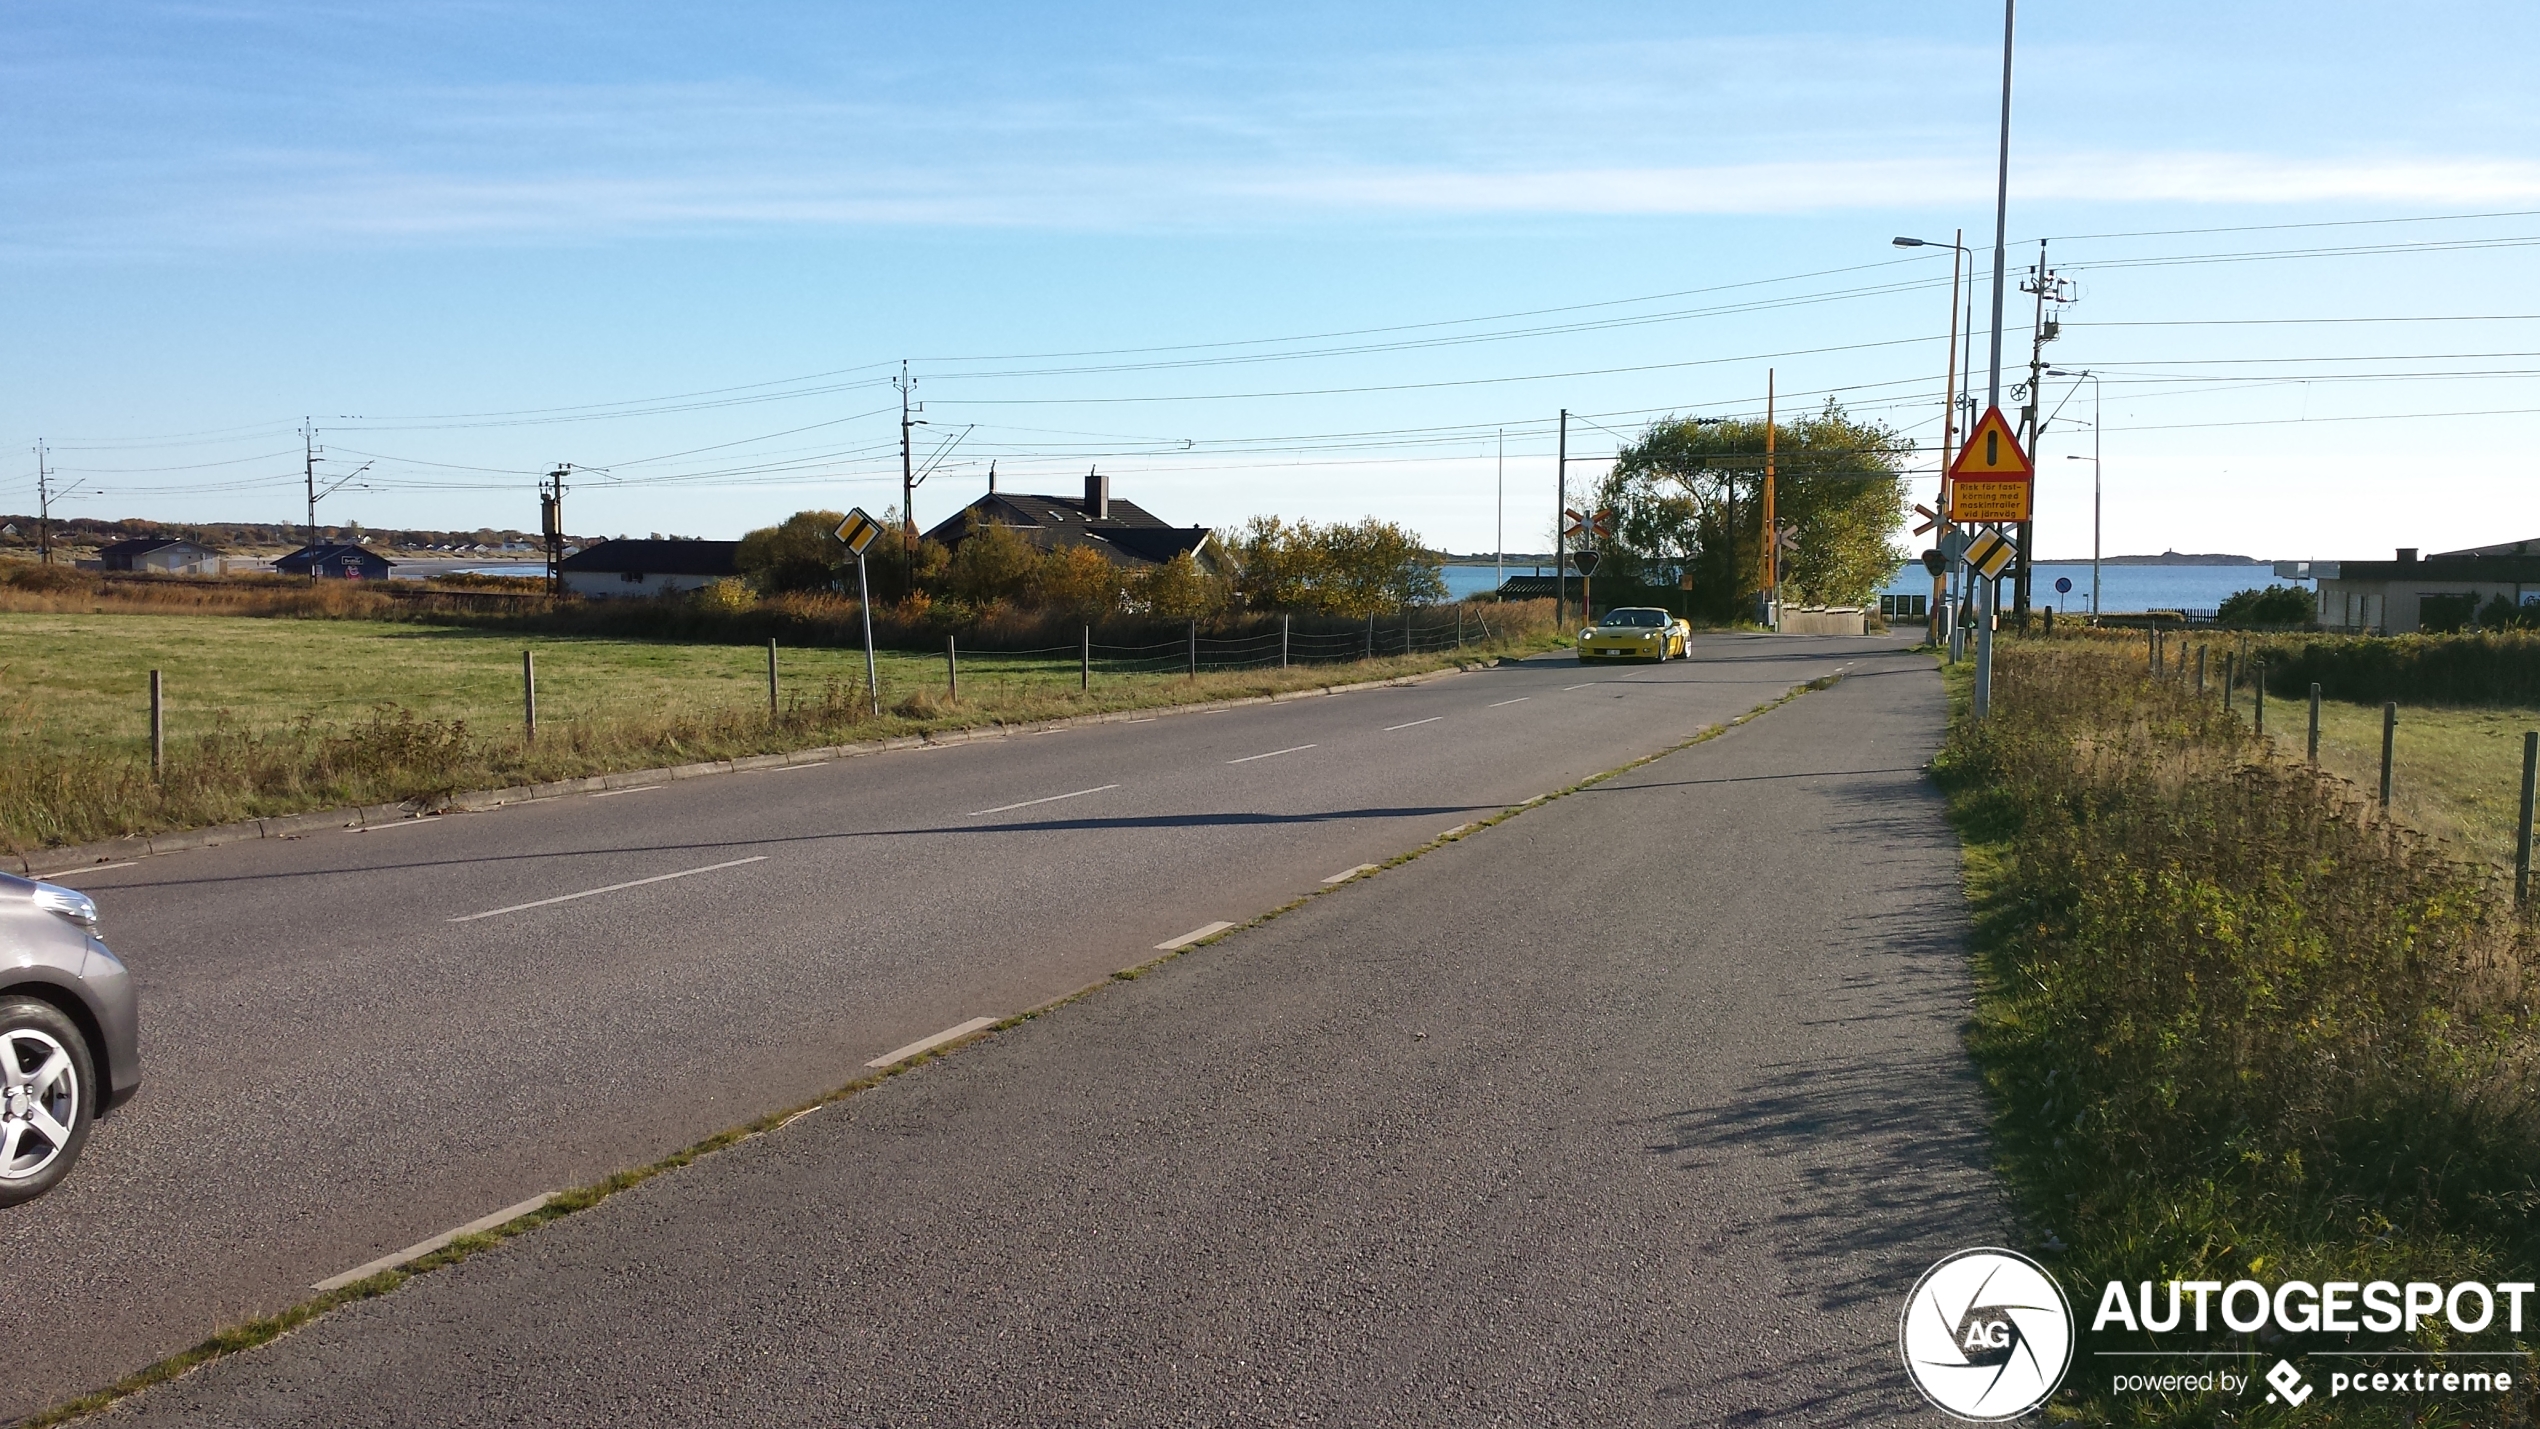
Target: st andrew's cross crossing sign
{"points": [[1991, 479]]}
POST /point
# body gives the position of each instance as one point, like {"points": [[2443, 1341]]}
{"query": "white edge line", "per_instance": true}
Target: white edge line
{"points": [[1052, 799], [611, 888], [414, 823], [1150, 719], [1521, 699], [88, 868], [420, 1249], [929, 1044], [1273, 754], [1433, 719], [638, 789], [1205, 930], [1346, 874]]}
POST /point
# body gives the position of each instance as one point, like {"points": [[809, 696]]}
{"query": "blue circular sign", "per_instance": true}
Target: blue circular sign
{"points": [[2063, 585]]}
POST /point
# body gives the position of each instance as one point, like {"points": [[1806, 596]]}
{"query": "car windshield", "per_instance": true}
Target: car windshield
{"points": [[1635, 619]]}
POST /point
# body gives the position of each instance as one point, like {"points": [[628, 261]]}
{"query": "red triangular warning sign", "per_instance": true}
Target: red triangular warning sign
{"points": [[1992, 453]]}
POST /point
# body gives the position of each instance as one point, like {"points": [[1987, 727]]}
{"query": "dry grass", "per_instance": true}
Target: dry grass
{"points": [[2237, 1026], [270, 716]]}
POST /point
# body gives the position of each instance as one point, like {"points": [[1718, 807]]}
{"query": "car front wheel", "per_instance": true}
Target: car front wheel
{"points": [[48, 1097]]}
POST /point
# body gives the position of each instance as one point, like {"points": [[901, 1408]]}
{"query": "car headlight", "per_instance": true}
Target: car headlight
{"points": [[69, 902], [1587, 635]]}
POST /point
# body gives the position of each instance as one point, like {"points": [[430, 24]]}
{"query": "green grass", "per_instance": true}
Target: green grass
{"points": [[268, 716], [2455, 773], [2234, 1026]]}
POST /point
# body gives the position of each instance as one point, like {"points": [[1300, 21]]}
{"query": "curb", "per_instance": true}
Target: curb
{"points": [[71, 858]]}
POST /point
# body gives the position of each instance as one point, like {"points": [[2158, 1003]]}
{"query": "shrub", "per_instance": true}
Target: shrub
{"points": [[2275, 605]]}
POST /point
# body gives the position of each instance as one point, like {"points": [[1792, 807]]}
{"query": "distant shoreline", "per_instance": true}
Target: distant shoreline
{"points": [[2166, 558]]}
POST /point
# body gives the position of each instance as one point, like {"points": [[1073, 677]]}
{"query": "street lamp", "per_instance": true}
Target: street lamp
{"points": [[2093, 459]]}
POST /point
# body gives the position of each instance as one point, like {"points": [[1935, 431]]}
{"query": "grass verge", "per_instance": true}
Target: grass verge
{"points": [[276, 716], [2236, 1027], [265, 1329]]}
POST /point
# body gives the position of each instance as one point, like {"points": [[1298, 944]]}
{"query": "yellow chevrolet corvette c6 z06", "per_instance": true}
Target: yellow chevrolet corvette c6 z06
{"points": [[1634, 632]]}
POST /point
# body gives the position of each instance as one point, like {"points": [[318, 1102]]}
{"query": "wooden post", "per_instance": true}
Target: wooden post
{"points": [[1283, 642], [2522, 838], [529, 692], [1371, 635], [2200, 669], [1459, 627], [2389, 729], [1085, 662], [771, 680], [2315, 725], [952, 671], [1194, 649], [2231, 674], [159, 729]]}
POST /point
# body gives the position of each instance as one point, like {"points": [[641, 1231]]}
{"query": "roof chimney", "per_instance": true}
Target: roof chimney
{"points": [[992, 478], [1097, 495], [2407, 555]]}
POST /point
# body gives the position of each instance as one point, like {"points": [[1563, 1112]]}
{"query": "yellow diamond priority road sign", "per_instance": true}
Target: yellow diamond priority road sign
{"points": [[858, 530], [1990, 554], [1991, 479]]}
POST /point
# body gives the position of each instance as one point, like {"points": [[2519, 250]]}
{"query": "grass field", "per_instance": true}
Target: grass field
{"points": [[2454, 773], [267, 716]]}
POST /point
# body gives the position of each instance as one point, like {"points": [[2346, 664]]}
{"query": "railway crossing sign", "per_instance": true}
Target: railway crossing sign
{"points": [[1931, 518], [1787, 538], [1590, 526], [858, 530], [1991, 479], [1990, 554]]}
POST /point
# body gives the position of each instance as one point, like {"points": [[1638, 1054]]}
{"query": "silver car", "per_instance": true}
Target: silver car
{"points": [[69, 1033]]}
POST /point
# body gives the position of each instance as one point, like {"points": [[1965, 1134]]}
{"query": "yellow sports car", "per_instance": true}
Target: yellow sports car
{"points": [[1635, 632]]}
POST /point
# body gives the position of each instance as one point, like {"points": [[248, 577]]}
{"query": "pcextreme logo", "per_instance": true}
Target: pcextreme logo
{"points": [[1986, 1335]]}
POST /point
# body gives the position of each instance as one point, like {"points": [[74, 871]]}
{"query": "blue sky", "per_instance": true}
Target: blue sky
{"points": [[476, 240]]}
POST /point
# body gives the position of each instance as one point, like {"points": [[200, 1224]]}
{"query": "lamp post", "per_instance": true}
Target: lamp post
{"points": [[1949, 394], [2096, 411]]}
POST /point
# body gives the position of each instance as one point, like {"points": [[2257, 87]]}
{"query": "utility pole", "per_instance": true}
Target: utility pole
{"points": [[1561, 529], [1502, 536], [1987, 596], [908, 486], [1772, 536], [2042, 330], [309, 450], [43, 507], [551, 525]]}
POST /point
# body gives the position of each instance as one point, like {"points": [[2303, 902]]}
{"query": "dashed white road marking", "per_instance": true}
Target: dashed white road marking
{"points": [[89, 868], [1027, 803], [638, 789], [1205, 930], [1346, 874], [1433, 719], [1273, 754], [1521, 699], [423, 1248], [929, 1044], [1565, 689], [611, 888]]}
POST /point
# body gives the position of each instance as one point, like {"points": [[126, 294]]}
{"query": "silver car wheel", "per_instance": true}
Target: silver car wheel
{"points": [[39, 1102]]}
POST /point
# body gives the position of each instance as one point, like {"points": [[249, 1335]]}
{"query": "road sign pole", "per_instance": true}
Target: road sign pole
{"points": [[1984, 646], [864, 604]]}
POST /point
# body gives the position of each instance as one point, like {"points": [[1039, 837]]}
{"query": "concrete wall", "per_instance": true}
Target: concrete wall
{"points": [[1824, 620]]}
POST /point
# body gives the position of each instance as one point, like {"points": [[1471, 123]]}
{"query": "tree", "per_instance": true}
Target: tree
{"points": [[2279, 605], [992, 563], [1080, 581], [803, 553], [1178, 590], [1686, 500], [1348, 569]]}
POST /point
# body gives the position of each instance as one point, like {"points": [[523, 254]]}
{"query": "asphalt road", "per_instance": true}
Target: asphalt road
{"points": [[343, 1060], [1645, 1106]]}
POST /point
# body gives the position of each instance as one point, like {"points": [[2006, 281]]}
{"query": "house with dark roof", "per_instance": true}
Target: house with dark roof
{"points": [[330, 561], [2442, 591], [1123, 531], [610, 570], [172, 557]]}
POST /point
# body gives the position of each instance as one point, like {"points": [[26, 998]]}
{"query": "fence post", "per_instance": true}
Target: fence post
{"points": [[2522, 836], [1194, 649], [2315, 724], [529, 692], [952, 671], [771, 680], [2389, 727], [2152, 647], [2200, 668], [1459, 627], [1085, 662], [159, 729], [1371, 635], [2231, 674], [1283, 642]]}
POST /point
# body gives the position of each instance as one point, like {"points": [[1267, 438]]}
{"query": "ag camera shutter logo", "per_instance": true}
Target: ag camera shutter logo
{"points": [[1986, 1335]]}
